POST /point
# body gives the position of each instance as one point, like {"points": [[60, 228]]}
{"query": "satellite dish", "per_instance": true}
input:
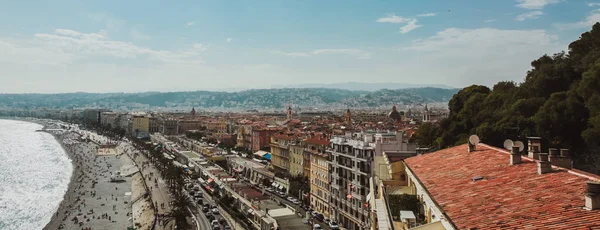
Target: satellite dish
{"points": [[508, 144], [473, 140], [520, 145]]}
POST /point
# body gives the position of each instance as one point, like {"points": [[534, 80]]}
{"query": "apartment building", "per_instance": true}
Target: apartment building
{"points": [[350, 169], [297, 159], [319, 174], [355, 159], [140, 126], [280, 152]]}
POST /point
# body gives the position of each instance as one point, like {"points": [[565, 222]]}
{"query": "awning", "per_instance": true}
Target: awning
{"points": [[250, 211]]}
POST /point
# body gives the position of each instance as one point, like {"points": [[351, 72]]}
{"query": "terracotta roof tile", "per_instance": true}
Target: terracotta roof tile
{"points": [[514, 197]]}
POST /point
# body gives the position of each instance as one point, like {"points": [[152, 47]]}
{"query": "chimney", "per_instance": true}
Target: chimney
{"points": [[471, 148], [553, 152], [534, 143], [543, 164], [592, 195], [560, 158], [515, 157], [564, 153]]}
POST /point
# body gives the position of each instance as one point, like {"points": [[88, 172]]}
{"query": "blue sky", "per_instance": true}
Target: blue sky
{"points": [[132, 46]]}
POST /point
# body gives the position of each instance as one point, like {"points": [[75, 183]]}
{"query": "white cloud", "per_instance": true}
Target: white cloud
{"points": [[490, 20], [412, 24], [593, 4], [78, 45], [530, 15], [475, 56], [191, 23], [426, 15], [228, 39], [535, 4], [591, 19], [393, 19], [357, 53]]}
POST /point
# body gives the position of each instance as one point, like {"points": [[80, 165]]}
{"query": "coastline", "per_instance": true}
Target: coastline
{"points": [[69, 198], [92, 200]]}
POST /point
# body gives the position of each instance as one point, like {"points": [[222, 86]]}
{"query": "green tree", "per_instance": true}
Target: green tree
{"points": [[426, 135], [562, 119]]}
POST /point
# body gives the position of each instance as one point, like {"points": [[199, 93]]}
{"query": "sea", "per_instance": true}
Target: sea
{"points": [[34, 175]]}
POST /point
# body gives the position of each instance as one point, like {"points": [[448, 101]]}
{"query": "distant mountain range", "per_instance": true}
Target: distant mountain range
{"points": [[261, 99], [364, 86]]}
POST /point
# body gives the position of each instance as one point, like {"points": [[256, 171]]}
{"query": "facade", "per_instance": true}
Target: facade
{"points": [[108, 119], [140, 126], [306, 160], [153, 125], [189, 124], [169, 126], [369, 116], [280, 152], [297, 159], [218, 126], [319, 175], [261, 138], [350, 169]]}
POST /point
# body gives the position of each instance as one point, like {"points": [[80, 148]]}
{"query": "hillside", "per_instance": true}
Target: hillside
{"points": [[255, 99]]}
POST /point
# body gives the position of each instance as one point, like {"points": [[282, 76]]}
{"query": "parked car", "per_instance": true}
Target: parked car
{"points": [[205, 210], [320, 217], [199, 201], [192, 193], [210, 216], [314, 213], [296, 201], [290, 198], [333, 225], [214, 222], [226, 227], [215, 211], [222, 221], [317, 227]]}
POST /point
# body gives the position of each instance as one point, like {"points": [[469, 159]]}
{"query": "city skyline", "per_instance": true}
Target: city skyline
{"points": [[109, 46]]}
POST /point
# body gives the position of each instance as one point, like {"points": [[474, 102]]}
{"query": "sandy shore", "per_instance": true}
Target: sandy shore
{"points": [[92, 201]]}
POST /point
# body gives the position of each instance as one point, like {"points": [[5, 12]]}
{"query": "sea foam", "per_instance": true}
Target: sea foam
{"points": [[34, 175]]}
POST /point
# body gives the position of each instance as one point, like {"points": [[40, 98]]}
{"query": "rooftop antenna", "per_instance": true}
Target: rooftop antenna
{"points": [[473, 141], [508, 144]]}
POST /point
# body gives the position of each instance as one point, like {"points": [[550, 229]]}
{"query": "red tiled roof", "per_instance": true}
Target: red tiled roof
{"points": [[509, 196], [317, 141]]}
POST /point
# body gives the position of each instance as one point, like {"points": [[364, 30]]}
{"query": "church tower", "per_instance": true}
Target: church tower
{"points": [[289, 112], [348, 118], [426, 115]]}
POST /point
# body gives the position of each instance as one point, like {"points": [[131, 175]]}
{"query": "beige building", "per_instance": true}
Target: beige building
{"points": [[280, 152], [297, 159], [140, 125], [319, 175]]}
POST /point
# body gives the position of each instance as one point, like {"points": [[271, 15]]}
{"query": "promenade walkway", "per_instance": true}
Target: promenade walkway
{"points": [[158, 188]]}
